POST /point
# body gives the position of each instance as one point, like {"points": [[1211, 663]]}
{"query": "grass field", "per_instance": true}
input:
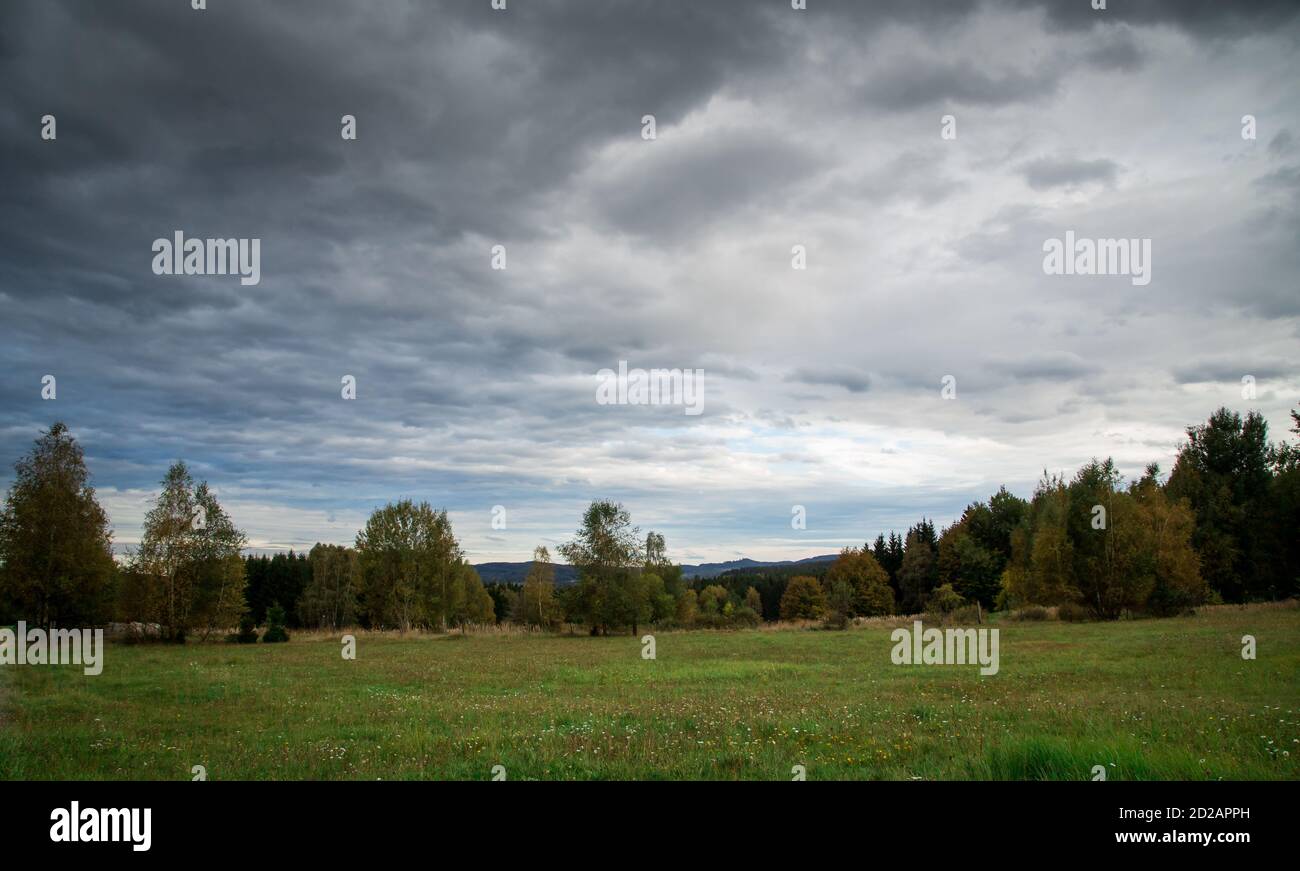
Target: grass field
{"points": [[1150, 699]]}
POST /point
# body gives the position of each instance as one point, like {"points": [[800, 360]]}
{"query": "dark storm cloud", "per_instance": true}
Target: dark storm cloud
{"points": [[1286, 178], [914, 84], [683, 190], [1117, 50], [850, 379], [206, 142], [1049, 172], [1204, 19], [1053, 367], [1231, 371], [1282, 143]]}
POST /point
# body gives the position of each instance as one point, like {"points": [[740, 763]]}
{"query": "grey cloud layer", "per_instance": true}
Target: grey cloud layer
{"points": [[522, 128]]}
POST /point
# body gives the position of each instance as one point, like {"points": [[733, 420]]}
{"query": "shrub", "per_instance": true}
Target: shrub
{"points": [[247, 633], [1032, 612], [945, 600], [1171, 600], [1072, 612], [275, 626], [275, 635], [840, 605], [965, 615]]}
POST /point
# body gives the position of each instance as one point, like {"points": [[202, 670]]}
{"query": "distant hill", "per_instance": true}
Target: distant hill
{"points": [[712, 570], [514, 573]]}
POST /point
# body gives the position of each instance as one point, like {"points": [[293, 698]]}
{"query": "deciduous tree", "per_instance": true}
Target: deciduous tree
{"points": [[189, 560], [537, 605], [804, 599], [330, 599], [868, 582], [409, 562], [608, 555], [56, 563]]}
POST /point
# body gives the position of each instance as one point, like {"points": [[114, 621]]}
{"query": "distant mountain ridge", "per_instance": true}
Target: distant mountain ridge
{"points": [[514, 573]]}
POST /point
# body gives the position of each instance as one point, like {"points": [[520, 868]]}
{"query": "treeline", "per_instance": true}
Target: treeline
{"points": [[280, 579], [769, 582], [189, 577], [1221, 528]]}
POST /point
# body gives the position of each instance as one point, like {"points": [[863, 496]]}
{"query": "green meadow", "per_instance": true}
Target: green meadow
{"points": [[1148, 699]]}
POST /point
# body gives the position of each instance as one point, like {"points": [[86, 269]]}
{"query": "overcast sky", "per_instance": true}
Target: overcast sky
{"points": [[477, 387]]}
